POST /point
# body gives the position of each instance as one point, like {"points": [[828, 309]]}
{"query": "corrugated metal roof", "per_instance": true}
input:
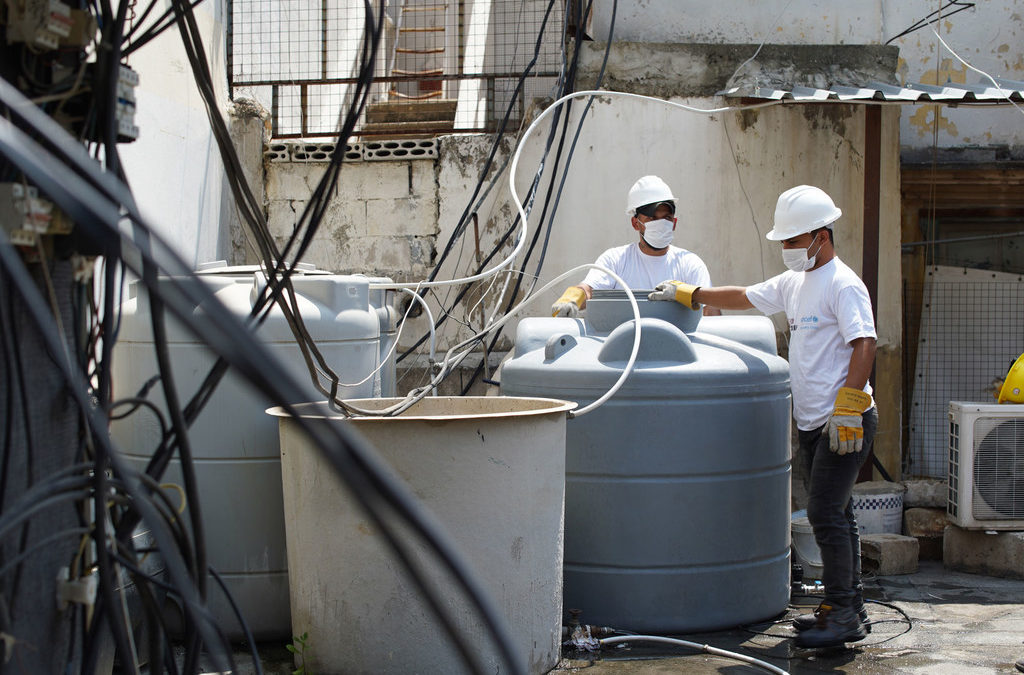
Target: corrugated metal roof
{"points": [[950, 93]]}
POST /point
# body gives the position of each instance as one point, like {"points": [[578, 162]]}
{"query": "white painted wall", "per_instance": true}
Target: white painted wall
{"points": [[174, 168]]}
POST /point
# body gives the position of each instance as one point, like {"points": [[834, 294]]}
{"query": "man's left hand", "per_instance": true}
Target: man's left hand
{"points": [[846, 426]]}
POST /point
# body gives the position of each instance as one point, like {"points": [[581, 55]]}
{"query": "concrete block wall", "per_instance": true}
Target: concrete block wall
{"points": [[382, 219]]}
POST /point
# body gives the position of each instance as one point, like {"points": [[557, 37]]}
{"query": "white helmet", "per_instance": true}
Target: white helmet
{"points": [[647, 190], [802, 209]]}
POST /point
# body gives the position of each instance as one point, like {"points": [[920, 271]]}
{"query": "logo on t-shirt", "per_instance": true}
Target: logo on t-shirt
{"points": [[809, 321]]}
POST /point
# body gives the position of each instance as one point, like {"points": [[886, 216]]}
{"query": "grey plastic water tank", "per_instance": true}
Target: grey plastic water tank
{"points": [[678, 488], [235, 444]]}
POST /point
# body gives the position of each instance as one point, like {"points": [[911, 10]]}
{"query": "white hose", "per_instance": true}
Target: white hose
{"points": [[707, 649], [451, 360], [433, 342], [394, 345], [521, 239]]}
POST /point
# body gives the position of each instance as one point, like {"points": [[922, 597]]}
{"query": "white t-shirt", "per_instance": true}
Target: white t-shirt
{"points": [[642, 271], [827, 309]]}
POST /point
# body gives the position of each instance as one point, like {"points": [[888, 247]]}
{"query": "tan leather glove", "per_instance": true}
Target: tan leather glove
{"points": [[570, 303], [846, 426], [675, 290]]}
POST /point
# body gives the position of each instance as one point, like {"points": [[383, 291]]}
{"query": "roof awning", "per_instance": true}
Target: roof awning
{"points": [[948, 94]]}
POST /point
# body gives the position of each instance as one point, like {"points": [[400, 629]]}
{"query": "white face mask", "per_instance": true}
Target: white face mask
{"points": [[659, 233], [797, 259]]}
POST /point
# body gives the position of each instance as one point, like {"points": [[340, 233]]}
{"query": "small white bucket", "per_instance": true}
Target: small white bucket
{"points": [[805, 549], [878, 506]]}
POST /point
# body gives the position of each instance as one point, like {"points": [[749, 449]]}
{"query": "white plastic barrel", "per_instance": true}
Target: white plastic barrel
{"points": [[234, 443], [492, 470]]}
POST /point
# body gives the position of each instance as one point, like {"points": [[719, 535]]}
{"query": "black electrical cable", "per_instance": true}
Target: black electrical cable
{"points": [[135, 404], [42, 543], [250, 209], [357, 464], [158, 27], [35, 303], [464, 218], [243, 624], [470, 209], [519, 278]]}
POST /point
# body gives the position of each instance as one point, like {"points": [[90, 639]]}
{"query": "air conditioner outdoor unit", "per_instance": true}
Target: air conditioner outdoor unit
{"points": [[986, 466]]}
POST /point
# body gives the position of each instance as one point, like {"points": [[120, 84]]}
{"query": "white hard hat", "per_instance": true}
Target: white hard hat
{"points": [[802, 209], [647, 190]]}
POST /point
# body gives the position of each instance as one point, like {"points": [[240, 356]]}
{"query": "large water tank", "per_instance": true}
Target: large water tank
{"points": [[234, 443], [677, 513]]}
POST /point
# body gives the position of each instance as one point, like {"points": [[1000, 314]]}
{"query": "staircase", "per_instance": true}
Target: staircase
{"points": [[417, 108]]}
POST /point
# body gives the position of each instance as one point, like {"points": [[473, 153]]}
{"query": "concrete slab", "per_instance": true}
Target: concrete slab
{"points": [[927, 526], [926, 493], [960, 624], [997, 553], [886, 554]]}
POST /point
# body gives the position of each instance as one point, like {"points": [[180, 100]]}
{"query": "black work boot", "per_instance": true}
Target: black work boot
{"points": [[805, 621], [834, 626]]}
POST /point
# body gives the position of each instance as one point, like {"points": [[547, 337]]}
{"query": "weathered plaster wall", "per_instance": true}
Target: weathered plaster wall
{"points": [[174, 167], [776, 21], [989, 36], [382, 220]]}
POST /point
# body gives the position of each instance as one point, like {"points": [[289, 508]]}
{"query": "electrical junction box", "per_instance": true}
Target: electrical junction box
{"points": [[39, 23], [24, 215]]}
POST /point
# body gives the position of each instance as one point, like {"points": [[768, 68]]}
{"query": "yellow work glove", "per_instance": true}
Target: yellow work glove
{"points": [[846, 426], [570, 303], [675, 290]]}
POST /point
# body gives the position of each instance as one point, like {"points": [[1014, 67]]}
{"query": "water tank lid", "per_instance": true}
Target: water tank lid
{"points": [[222, 267]]}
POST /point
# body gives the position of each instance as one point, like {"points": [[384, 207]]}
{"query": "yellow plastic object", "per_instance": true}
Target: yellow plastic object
{"points": [[1012, 390]]}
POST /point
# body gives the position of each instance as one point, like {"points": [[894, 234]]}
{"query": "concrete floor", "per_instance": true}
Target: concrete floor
{"points": [[962, 624]]}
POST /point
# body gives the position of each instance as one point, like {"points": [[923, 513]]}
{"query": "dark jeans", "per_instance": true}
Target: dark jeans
{"points": [[828, 508]]}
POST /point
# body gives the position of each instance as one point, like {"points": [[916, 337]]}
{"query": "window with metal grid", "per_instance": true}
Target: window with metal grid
{"points": [[441, 67]]}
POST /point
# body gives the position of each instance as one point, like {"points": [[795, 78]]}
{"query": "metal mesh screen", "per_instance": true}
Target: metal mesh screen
{"points": [[969, 334], [440, 67]]}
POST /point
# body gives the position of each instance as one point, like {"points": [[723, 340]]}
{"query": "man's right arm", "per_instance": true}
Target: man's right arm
{"points": [[723, 297]]}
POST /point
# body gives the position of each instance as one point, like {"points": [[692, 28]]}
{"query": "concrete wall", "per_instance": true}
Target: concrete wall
{"points": [[988, 36], [174, 167]]}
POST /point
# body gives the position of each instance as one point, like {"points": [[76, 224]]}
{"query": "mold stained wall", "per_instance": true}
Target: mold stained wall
{"points": [[989, 36], [174, 168]]}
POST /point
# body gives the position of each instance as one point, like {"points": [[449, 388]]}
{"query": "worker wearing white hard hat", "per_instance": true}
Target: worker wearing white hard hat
{"points": [[831, 352], [650, 205]]}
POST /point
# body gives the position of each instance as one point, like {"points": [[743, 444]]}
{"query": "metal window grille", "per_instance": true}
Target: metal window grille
{"points": [[968, 335], [442, 67]]}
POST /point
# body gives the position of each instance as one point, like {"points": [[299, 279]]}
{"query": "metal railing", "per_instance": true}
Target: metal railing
{"points": [[441, 67]]}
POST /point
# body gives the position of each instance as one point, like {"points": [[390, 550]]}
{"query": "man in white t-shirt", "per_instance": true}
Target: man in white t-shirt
{"points": [[644, 263], [831, 353]]}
